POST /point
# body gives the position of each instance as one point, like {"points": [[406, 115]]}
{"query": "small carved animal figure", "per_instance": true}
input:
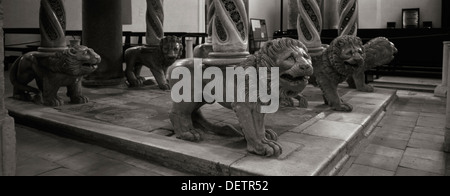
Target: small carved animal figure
{"points": [[341, 59], [157, 59], [379, 51], [51, 71], [295, 67]]}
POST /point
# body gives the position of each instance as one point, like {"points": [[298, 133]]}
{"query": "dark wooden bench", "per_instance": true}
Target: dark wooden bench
{"points": [[200, 38], [23, 48], [26, 47]]}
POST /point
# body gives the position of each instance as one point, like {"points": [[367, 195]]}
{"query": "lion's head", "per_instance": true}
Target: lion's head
{"points": [[77, 61], [172, 48], [291, 56], [379, 51], [346, 54]]}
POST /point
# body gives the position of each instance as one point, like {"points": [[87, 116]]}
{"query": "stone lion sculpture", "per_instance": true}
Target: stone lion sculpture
{"points": [[52, 71], [157, 59], [341, 59], [379, 51], [295, 67]]}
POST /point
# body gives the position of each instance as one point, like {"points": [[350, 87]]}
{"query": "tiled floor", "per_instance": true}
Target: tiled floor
{"points": [[407, 142], [42, 154]]}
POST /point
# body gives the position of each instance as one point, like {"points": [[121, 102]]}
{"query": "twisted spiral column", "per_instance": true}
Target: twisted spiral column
{"points": [[309, 23], [210, 17], [230, 26], [155, 21], [52, 22], [293, 14], [348, 15]]}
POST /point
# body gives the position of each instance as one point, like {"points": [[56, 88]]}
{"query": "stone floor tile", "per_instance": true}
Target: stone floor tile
{"points": [[90, 164], [392, 135], [403, 113], [433, 115], [346, 166], [429, 130], [431, 122], [143, 164], [434, 108], [416, 143], [404, 123], [378, 161], [392, 143], [384, 151], [361, 170], [396, 128], [360, 147], [428, 137], [35, 166], [401, 171], [437, 167], [61, 172], [332, 129], [425, 154], [408, 108], [411, 119]]}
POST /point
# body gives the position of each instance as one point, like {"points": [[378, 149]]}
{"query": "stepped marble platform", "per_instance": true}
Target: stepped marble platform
{"points": [[316, 140], [407, 83]]}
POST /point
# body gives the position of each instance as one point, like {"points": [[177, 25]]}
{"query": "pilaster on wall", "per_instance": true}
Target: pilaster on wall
{"points": [[7, 132]]}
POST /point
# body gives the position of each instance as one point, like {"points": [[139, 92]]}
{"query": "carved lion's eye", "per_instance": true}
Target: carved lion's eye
{"points": [[291, 58]]}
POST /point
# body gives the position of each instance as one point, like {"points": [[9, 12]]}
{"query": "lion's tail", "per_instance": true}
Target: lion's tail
{"points": [[15, 82]]}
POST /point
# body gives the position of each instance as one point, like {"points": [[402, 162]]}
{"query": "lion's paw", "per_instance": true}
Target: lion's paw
{"points": [[22, 97], [37, 99], [193, 135], [344, 107], [79, 100], [271, 135], [266, 148], [367, 88], [53, 102], [164, 87], [303, 102], [287, 102], [139, 82]]}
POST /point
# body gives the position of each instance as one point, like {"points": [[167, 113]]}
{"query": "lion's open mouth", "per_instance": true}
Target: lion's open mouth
{"points": [[292, 79], [354, 65], [92, 66]]}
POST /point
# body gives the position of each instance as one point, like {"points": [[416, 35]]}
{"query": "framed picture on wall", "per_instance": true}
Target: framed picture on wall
{"points": [[411, 18], [259, 30]]}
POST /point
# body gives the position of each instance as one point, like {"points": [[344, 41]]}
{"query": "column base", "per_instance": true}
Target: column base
{"points": [[7, 147], [44, 49], [203, 50], [103, 83], [225, 59], [441, 91]]}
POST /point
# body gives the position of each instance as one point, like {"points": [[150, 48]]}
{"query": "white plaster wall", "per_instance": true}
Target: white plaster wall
{"points": [[376, 13], [180, 15], [268, 10]]}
